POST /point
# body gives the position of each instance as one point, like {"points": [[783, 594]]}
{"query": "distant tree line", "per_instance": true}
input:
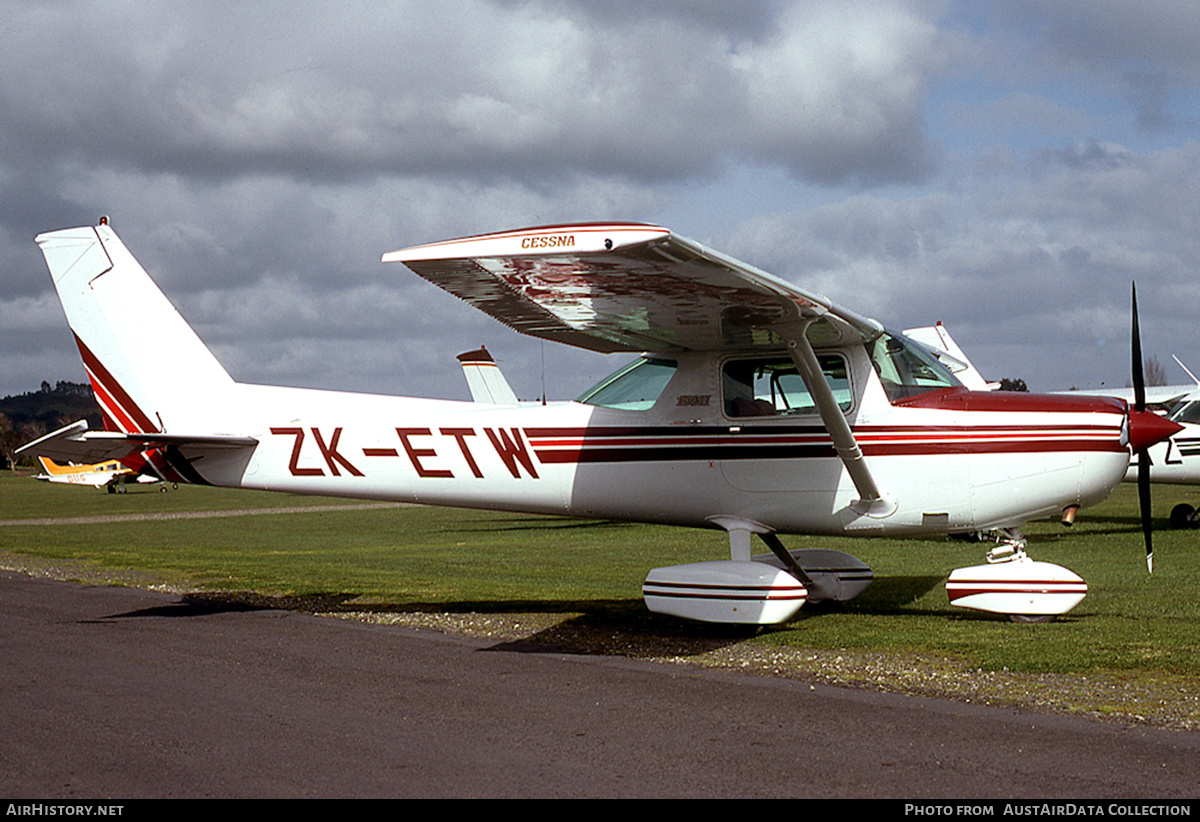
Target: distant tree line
{"points": [[25, 417], [1154, 371]]}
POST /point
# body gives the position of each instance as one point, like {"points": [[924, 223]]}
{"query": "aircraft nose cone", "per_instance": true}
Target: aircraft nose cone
{"points": [[1147, 428]]}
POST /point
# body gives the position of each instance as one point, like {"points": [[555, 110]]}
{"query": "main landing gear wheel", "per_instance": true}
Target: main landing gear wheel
{"points": [[1184, 516], [746, 590]]}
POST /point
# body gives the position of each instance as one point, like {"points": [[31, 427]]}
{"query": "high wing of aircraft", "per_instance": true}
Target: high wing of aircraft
{"points": [[111, 474], [754, 407]]}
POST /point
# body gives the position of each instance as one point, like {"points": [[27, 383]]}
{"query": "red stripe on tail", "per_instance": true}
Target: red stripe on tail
{"points": [[113, 398]]}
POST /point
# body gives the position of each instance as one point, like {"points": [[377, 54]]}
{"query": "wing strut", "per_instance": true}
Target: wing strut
{"points": [[871, 500]]}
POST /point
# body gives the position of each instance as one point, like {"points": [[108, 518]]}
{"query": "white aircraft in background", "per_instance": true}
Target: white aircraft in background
{"points": [[1164, 398], [1172, 461], [761, 409], [1175, 460], [111, 475]]}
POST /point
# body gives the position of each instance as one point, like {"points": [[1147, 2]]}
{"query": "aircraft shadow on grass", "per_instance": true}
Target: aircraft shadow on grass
{"points": [[535, 524], [621, 627]]}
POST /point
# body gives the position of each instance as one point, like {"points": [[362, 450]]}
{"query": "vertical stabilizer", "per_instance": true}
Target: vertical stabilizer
{"points": [[148, 369], [938, 338]]}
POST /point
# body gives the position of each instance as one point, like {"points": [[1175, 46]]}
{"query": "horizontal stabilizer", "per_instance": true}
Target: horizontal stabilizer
{"points": [[76, 443]]}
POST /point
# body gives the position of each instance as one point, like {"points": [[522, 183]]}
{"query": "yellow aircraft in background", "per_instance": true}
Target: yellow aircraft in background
{"points": [[111, 474]]}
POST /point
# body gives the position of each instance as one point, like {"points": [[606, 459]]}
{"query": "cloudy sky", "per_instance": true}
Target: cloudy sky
{"points": [[1005, 167]]}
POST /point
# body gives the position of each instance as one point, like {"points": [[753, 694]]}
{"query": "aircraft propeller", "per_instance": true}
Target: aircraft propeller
{"points": [[1143, 454], [1145, 429]]}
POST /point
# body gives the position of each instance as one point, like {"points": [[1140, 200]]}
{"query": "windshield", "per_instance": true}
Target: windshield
{"points": [[906, 369], [634, 387]]}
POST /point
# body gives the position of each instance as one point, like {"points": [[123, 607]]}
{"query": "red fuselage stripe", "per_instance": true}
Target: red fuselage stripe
{"points": [[582, 445]]}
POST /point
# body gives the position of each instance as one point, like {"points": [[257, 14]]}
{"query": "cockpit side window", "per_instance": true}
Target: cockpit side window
{"points": [[772, 387], [906, 369], [633, 387]]}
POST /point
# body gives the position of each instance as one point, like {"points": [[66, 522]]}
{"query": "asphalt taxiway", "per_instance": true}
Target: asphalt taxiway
{"points": [[121, 693]]}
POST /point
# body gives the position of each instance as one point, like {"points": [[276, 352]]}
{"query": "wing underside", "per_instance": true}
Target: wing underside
{"points": [[626, 287]]}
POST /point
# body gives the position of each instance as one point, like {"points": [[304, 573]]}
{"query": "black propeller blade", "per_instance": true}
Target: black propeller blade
{"points": [[1143, 454]]}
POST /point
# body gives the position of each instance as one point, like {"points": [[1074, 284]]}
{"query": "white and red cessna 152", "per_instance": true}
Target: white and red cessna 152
{"points": [[761, 409]]}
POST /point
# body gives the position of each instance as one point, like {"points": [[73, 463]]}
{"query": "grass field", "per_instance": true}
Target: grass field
{"points": [[1134, 640]]}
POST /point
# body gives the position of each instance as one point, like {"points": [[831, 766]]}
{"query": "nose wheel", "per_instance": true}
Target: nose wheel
{"points": [[1013, 585]]}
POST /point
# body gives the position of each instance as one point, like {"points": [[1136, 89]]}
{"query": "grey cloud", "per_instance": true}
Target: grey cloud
{"points": [[524, 92], [1040, 256], [1146, 51], [260, 158], [1149, 93]]}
